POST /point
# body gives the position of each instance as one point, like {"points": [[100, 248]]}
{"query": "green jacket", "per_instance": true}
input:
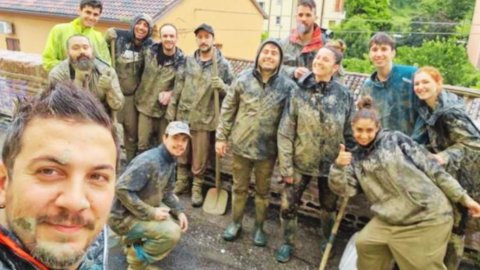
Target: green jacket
{"points": [[315, 122], [193, 100], [156, 78], [112, 98], [252, 110], [402, 181], [56, 47]]}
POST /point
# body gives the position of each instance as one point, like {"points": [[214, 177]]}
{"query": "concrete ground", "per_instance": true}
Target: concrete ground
{"points": [[202, 247]]}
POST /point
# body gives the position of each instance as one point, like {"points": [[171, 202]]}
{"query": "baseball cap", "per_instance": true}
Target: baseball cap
{"points": [[205, 27], [177, 127]]}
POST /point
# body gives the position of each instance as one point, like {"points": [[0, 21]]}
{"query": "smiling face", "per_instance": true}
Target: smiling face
{"points": [[140, 30], [89, 16], [381, 55], [323, 65], [426, 88], [168, 38], [364, 131], [269, 58], [59, 192], [176, 144]]}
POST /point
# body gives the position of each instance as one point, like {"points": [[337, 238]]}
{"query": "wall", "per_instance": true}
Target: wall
{"points": [[474, 38], [237, 25]]}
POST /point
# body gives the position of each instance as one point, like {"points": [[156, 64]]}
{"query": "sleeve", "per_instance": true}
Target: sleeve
{"points": [[228, 112], [347, 129], [342, 181], [171, 113], [286, 137], [50, 55], [129, 184], [115, 98], [464, 133], [102, 49], [228, 77], [170, 199], [423, 160]]}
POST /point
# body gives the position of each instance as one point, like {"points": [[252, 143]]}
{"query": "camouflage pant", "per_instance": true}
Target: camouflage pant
{"points": [[456, 244], [242, 171], [197, 154], [150, 131], [291, 197], [147, 241], [128, 117], [379, 243]]}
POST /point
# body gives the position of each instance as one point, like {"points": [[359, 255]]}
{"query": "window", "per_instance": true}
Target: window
{"points": [[13, 44], [339, 5], [278, 19]]}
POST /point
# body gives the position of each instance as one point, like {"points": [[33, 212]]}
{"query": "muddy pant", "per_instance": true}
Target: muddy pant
{"points": [[147, 241], [197, 154], [128, 117], [150, 131], [420, 246], [291, 197], [456, 243], [242, 170]]}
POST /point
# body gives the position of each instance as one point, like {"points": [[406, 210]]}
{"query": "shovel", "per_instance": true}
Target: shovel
{"points": [[333, 234], [216, 200]]}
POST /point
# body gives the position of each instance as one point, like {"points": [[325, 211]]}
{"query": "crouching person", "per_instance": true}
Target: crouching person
{"points": [[142, 213], [409, 194]]}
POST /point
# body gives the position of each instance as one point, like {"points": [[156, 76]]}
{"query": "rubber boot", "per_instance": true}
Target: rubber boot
{"points": [[234, 229], [260, 237], [197, 196], [182, 183]]}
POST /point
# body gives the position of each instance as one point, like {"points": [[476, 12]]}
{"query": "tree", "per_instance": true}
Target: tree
{"points": [[376, 12], [356, 33]]}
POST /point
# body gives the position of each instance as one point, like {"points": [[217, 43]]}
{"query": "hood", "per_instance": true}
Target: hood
{"points": [[135, 20], [277, 44], [446, 103]]}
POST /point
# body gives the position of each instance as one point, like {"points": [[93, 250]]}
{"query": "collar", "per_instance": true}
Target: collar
{"points": [[315, 43]]}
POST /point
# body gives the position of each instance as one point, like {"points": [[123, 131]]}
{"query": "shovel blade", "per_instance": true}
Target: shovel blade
{"points": [[216, 201]]}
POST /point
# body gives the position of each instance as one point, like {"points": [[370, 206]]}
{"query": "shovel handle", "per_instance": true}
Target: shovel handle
{"points": [[333, 234]]}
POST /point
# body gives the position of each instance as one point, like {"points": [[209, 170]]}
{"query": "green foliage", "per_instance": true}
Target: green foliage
{"points": [[264, 36], [447, 55], [358, 65], [356, 33], [376, 11]]}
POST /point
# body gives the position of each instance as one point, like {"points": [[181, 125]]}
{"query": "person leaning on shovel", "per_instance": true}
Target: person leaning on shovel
{"points": [[409, 193], [249, 116]]}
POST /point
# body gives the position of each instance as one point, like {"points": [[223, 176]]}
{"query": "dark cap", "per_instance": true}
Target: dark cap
{"points": [[204, 27]]}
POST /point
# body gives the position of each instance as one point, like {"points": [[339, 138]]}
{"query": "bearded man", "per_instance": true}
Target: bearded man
{"points": [[88, 72]]}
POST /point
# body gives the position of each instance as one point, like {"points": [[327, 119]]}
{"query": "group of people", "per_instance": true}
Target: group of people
{"points": [[408, 145]]}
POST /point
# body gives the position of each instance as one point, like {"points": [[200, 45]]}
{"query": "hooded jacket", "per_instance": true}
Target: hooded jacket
{"points": [[402, 181], [315, 122], [156, 78], [56, 47], [251, 111], [129, 58], [453, 135], [394, 98], [296, 54], [193, 98]]}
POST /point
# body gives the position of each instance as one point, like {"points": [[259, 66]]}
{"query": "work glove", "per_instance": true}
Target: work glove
{"points": [[105, 81], [110, 34], [218, 84]]}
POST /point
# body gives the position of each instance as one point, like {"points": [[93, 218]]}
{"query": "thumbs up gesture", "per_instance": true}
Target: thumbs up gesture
{"points": [[105, 81], [344, 158]]}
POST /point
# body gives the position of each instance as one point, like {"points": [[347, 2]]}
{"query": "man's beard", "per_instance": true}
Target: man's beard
{"points": [[206, 49], [54, 254], [83, 63], [303, 29]]}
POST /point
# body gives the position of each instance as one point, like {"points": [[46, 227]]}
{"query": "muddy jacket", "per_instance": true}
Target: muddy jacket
{"points": [[148, 181], [401, 180], [129, 57], [314, 124], [452, 134], [193, 99], [156, 78], [56, 47], [296, 54], [112, 98], [251, 112], [11, 257], [394, 98]]}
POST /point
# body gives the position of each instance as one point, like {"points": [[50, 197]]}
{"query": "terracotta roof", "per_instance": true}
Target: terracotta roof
{"points": [[113, 10]]}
